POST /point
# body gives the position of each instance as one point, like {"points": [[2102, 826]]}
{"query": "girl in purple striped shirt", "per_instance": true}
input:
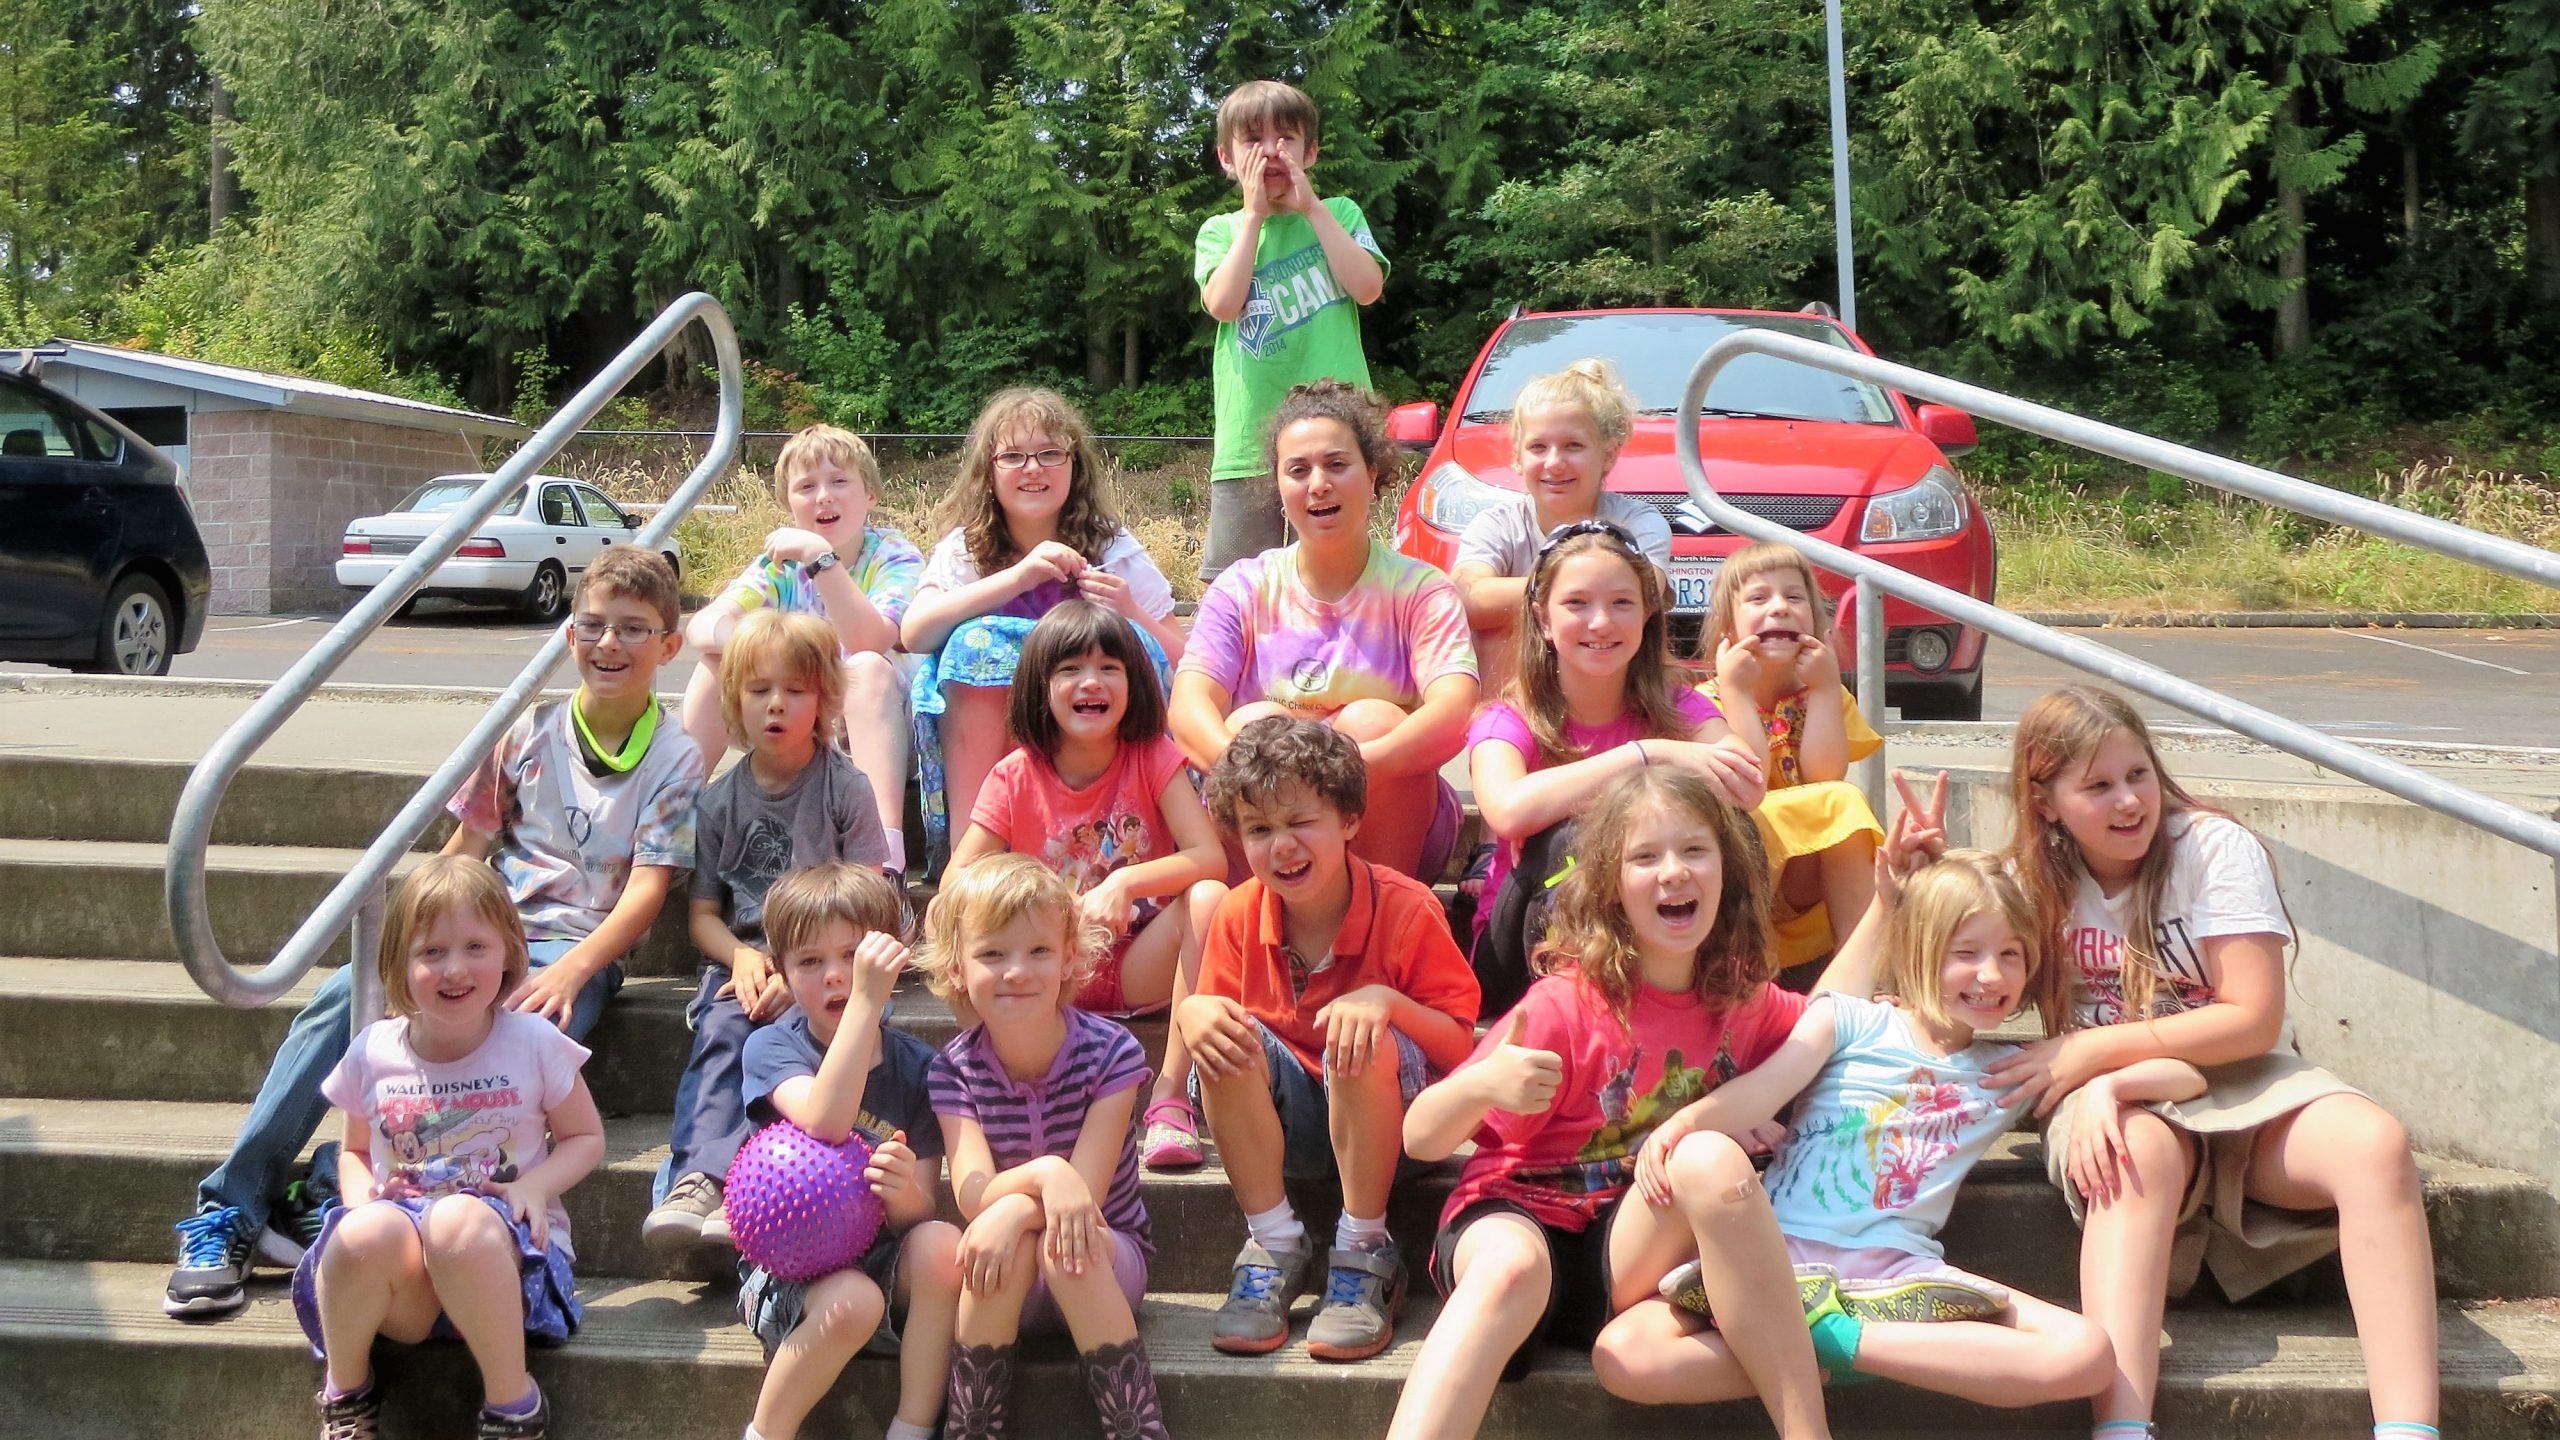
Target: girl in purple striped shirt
{"points": [[1036, 1101]]}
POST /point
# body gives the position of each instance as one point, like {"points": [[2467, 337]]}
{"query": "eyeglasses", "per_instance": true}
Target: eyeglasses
{"points": [[1049, 459], [1562, 533], [628, 632]]}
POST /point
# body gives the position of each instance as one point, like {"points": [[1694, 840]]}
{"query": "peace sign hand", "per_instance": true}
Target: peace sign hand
{"points": [[1918, 838]]}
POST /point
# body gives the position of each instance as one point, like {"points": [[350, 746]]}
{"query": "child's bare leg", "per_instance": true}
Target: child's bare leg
{"points": [[1654, 1354], [2047, 1354], [975, 735], [471, 1256], [1187, 921], [843, 1311], [1098, 1314], [1400, 810], [2346, 1151], [1244, 715], [1366, 1115], [1503, 1280], [929, 1281], [875, 731], [984, 1332], [372, 1281], [1848, 883], [2124, 1263], [1249, 1138], [1742, 1260], [1109, 1354], [700, 711]]}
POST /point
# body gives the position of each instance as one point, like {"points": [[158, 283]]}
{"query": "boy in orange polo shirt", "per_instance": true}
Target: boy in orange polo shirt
{"points": [[1330, 993]]}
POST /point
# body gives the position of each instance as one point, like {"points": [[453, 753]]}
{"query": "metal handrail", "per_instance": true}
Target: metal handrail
{"points": [[358, 894], [2509, 557]]}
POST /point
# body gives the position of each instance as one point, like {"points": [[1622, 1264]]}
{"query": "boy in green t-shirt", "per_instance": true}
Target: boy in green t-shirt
{"points": [[1284, 278]]}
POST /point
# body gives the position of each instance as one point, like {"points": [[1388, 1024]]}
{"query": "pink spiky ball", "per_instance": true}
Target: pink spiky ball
{"points": [[799, 1206]]}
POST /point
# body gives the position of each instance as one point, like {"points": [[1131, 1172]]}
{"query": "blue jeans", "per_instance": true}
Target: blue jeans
{"points": [[290, 1106], [711, 1116]]}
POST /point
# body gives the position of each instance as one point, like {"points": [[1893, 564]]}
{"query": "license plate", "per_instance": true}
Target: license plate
{"points": [[1692, 581]]}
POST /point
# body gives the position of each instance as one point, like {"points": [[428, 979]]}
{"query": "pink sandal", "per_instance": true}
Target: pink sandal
{"points": [[1173, 1135]]}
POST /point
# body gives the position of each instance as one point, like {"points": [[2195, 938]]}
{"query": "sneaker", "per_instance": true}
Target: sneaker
{"points": [[494, 1426], [1255, 1319], [356, 1416], [715, 1229], [1363, 1293], [676, 1225], [1173, 1135], [1685, 1288], [294, 1225], [214, 1251], [1929, 1296]]}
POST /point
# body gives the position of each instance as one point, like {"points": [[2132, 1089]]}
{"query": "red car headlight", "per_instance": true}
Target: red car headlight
{"points": [[1933, 507]]}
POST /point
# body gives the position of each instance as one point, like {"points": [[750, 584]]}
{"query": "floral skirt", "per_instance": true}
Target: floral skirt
{"points": [[983, 654]]}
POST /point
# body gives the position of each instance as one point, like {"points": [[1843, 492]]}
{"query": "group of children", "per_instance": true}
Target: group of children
{"points": [[1234, 825]]}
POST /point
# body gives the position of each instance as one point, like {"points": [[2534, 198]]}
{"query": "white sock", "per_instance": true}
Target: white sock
{"points": [[751, 1432], [2123, 1430], [901, 1430], [1277, 1229], [1353, 1233], [898, 863]]}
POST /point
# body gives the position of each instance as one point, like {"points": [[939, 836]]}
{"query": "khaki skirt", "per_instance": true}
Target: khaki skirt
{"points": [[2247, 1244]]}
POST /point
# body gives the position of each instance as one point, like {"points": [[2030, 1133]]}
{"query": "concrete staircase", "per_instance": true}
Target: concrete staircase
{"points": [[120, 1085]]}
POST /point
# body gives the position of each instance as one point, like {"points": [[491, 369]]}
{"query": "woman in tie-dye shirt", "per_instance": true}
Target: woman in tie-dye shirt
{"points": [[1339, 628]]}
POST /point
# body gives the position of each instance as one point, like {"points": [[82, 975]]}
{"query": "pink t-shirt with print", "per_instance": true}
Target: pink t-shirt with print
{"points": [[1083, 834], [1500, 722]]}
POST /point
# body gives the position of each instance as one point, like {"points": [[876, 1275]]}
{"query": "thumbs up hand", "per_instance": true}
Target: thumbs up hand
{"points": [[1519, 1077]]}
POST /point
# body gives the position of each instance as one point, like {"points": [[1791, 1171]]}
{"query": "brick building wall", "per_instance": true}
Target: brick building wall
{"points": [[274, 492]]}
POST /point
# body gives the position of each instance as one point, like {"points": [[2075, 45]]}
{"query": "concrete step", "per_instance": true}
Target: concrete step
{"points": [[101, 1181], [82, 797], [652, 1351]]}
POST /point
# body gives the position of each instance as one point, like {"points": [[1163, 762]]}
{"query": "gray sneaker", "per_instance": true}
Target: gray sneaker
{"points": [[1931, 1295], [1363, 1292], [1255, 1319], [676, 1225]]}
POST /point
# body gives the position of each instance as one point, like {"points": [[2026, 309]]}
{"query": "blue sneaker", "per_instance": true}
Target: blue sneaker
{"points": [[214, 1249]]}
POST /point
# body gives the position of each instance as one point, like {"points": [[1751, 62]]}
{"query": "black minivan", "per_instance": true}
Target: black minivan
{"points": [[101, 567]]}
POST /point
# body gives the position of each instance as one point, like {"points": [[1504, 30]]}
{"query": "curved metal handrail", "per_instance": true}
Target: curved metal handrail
{"points": [[2508, 557], [357, 894]]}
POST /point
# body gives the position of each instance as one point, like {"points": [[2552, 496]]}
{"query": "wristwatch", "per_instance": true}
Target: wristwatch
{"points": [[821, 565]]}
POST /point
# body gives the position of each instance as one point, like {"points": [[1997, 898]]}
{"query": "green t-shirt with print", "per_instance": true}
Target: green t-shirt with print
{"points": [[1298, 325]]}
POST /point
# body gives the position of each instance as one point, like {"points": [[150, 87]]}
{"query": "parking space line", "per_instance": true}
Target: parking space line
{"points": [[268, 625], [2430, 650]]}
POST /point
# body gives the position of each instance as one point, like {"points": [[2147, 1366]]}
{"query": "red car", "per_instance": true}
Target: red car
{"points": [[1832, 457]]}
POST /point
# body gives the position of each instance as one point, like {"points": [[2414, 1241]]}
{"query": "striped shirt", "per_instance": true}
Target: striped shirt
{"points": [[1025, 1120]]}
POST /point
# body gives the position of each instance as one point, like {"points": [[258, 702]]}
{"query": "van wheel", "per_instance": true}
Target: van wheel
{"points": [[547, 598], [135, 635]]}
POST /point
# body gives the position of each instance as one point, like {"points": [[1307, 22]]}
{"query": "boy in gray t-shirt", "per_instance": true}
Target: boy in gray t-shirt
{"points": [[794, 801]]}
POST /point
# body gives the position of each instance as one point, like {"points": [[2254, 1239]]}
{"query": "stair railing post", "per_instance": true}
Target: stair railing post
{"points": [[364, 952], [1869, 773]]}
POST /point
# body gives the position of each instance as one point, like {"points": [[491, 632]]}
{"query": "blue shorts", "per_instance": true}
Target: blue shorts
{"points": [[1306, 1114], [551, 1309]]}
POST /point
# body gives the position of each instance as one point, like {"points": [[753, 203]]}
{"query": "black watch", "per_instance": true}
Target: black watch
{"points": [[821, 565]]}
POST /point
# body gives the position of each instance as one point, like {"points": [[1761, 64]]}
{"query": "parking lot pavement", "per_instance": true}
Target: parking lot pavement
{"points": [[2491, 687]]}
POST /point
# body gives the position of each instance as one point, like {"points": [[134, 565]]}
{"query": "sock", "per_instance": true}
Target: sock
{"points": [[1277, 1229], [901, 1430], [751, 1432], [526, 1405], [1836, 1334], [981, 1387], [897, 864], [1353, 1233], [2123, 1430], [331, 1394], [1123, 1387], [2403, 1430]]}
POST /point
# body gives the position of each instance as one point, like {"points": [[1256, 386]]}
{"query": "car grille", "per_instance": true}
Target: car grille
{"points": [[1796, 512], [392, 544]]}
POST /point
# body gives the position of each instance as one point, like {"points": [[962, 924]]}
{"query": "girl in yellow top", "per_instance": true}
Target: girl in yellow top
{"points": [[1772, 630]]}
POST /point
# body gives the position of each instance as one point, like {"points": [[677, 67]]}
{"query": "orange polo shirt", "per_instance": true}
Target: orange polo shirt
{"points": [[1394, 934]]}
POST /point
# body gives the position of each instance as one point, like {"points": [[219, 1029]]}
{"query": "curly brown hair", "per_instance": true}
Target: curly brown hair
{"points": [[1355, 410], [1589, 931], [1278, 751], [1089, 521]]}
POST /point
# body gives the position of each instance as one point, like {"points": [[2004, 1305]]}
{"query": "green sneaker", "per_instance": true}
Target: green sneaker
{"points": [[1934, 1295], [1684, 1288]]}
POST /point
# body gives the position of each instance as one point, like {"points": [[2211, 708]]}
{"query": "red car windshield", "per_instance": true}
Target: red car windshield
{"points": [[1655, 353]]}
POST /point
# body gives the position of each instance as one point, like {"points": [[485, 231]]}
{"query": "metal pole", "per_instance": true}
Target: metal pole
{"points": [[1840, 165], [364, 952], [1869, 772]]}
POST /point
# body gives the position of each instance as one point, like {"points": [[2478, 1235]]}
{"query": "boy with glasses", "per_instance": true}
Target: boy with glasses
{"points": [[586, 810]]}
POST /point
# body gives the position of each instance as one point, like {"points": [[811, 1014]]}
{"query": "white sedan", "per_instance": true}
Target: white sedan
{"points": [[525, 555]]}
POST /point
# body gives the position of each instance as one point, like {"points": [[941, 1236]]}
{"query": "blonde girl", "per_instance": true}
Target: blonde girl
{"points": [[1566, 432], [1593, 697], [1038, 1102], [1892, 1108], [1777, 681], [466, 1121], [2169, 915], [1029, 523], [1658, 992], [1100, 795]]}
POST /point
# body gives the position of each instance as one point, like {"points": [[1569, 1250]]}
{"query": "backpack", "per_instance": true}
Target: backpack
{"points": [[1517, 924]]}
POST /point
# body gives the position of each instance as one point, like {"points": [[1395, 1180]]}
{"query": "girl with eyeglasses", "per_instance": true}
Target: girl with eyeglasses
{"points": [[1029, 523]]}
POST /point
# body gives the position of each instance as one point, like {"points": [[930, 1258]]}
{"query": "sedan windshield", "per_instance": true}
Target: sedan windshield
{"points": [[1656, 352], [437, 496]]}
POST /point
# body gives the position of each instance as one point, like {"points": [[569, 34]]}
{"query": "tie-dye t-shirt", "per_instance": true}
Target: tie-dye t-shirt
{"points": [[1568, 1165], [1884, 1135], [951, 568], [1260, 634], [886, 572], [568, 838]]}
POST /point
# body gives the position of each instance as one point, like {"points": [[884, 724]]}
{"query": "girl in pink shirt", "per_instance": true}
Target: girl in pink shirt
{"points": [[1100, 795]]}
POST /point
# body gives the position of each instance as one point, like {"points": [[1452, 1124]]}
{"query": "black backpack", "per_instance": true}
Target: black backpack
{"points": [[1517, 923]]}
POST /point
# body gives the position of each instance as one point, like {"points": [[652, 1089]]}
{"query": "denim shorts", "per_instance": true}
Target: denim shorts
{"points": [[1306, 1115]]}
